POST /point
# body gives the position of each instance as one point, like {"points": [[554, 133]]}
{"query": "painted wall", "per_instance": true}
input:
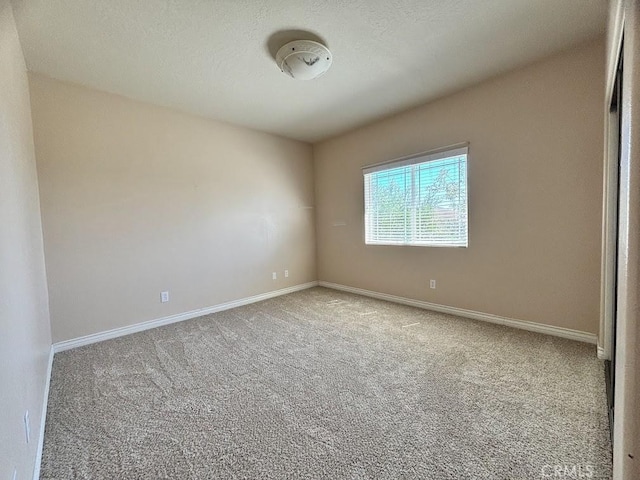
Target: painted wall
{"points": [[25, 337], [139, 199], [535, 190]]}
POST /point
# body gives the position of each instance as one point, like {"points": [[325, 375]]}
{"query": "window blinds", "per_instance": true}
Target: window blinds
{"points": [[418, 200]]}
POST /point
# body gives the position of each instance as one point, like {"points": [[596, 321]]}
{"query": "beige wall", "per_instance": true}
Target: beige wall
{"points": [[138, 199], [25, 337], [535, 189]]}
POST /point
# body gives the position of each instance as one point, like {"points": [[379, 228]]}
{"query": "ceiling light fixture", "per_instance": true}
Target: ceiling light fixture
{"points": [[304, 59]]}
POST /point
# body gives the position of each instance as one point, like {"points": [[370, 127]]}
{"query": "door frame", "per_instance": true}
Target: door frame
{"points": [[610, 202], [625, 16]]}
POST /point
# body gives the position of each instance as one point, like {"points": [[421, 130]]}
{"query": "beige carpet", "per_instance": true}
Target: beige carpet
{"points": [[322, 384]]}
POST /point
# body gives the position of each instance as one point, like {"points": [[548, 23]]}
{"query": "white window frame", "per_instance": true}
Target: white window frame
{"points": [[418, 159]]}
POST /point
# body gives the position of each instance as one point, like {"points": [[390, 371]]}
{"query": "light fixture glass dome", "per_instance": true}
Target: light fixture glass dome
{"points": [[304, 59]]}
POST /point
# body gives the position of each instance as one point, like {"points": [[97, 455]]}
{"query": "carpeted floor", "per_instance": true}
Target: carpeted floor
{"points": [[323, 384]]}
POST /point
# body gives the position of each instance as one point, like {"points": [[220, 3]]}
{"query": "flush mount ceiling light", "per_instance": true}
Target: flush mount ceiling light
{"points": [[304, 59]]}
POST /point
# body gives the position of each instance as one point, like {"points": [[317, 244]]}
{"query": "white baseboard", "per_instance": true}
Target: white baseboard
{"points": [[43, 417], [602, 355], [139, 327], [461, 312]]}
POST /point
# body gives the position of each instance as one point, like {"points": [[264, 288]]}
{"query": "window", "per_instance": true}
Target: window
{"points": [[418, 200]]}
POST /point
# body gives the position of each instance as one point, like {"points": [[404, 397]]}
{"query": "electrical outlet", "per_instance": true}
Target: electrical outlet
{"points": [[164, 297], [27, 426], [286, 273], [274, 275], [432, 284]]}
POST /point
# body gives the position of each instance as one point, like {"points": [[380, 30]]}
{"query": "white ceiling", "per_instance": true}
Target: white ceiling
{"points": [[215, 57]]}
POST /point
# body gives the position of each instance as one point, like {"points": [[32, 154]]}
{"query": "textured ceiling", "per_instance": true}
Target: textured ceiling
{"points": [[215, 57]]}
